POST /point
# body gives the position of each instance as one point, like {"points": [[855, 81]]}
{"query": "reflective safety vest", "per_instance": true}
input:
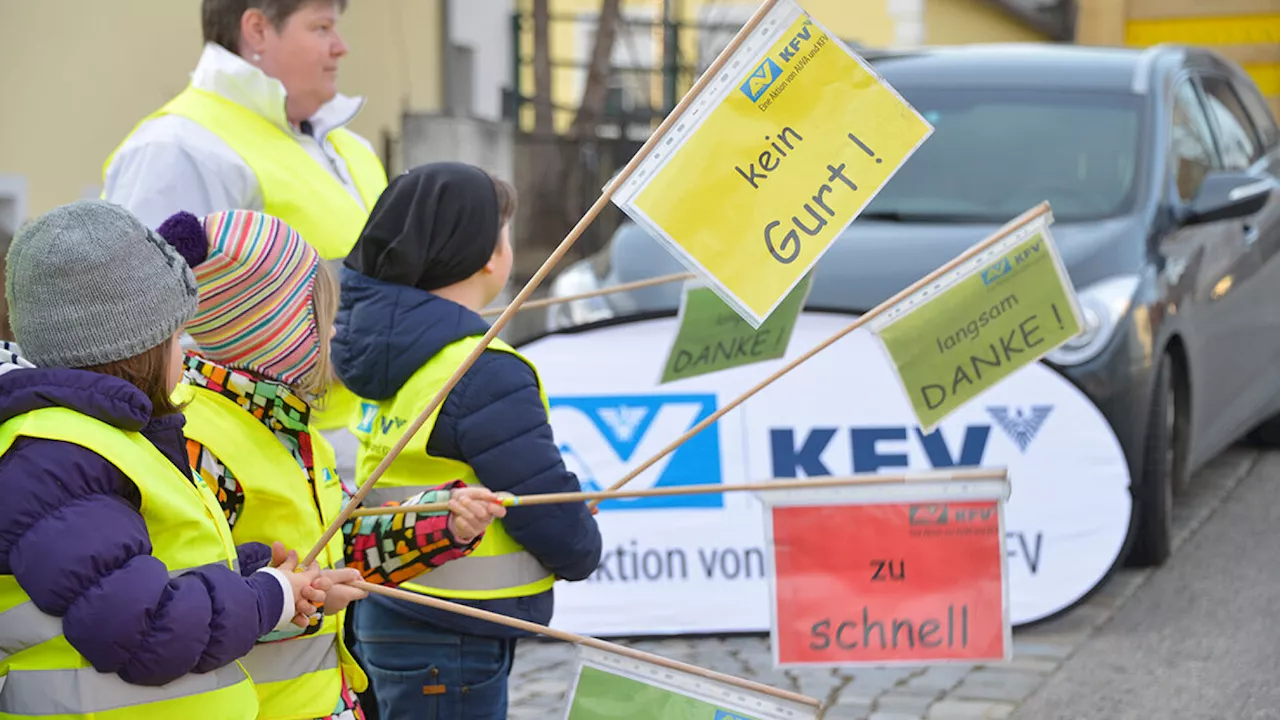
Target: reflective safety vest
{"points": [[499, 567], [301, 677], [45, 677], [295, 188]]}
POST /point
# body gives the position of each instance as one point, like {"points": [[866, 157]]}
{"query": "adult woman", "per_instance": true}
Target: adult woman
{"points": [[267, 80], [261, 127]]}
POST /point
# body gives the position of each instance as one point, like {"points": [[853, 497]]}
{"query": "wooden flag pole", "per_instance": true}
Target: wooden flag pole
{"points": [[437, 603], [624, 287], [605, 196], [962, 475], [955, 262]]}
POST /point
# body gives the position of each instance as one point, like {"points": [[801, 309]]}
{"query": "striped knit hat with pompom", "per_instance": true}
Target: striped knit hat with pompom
{"points": [[256, 277]]}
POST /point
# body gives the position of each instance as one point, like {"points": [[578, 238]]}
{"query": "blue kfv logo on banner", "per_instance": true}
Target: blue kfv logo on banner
{"points": [[1021, 427], [603, 438], [996, 271], [760, 80]]}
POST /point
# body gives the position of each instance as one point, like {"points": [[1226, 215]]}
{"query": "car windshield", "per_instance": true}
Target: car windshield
{"points": [[995, 153]]}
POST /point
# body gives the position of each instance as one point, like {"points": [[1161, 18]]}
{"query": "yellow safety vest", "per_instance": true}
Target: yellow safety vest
{"points": [[44, 676], [499, 567], [295, 188], [299, 678]]}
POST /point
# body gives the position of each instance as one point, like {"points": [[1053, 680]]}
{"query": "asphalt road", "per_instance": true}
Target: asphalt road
{"points": [[1200, 639]]}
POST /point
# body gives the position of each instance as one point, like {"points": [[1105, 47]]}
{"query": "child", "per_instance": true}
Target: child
{"points": [[435, 251], [260, 364], [122, 594]]}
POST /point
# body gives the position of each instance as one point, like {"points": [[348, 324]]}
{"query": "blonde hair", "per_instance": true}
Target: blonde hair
{"points": [[324, 305]]}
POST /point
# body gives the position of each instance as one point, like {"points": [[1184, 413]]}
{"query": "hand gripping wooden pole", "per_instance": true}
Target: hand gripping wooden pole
{"points": [[605, 196], [437, 603], [925, 476], [865, 318]]}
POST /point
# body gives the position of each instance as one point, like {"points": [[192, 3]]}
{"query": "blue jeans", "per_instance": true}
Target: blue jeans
{"points": [[423, 672]]}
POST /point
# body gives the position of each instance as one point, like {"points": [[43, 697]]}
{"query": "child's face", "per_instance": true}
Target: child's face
{"points": [[499, 266], [173, 368]]}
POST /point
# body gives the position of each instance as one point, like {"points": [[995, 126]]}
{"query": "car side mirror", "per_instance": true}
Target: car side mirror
{"points": [[1228, 195]]}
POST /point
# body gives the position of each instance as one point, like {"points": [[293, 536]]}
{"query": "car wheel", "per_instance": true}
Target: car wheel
{"points": [[1164, 457], [1180, 419]]}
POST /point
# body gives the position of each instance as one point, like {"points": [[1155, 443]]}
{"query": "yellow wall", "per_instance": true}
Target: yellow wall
{"points": [[75, 76], [953, 22], [1246, 31]]}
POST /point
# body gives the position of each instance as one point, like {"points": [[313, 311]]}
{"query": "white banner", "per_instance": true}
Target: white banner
{"points": [[695, 564]]}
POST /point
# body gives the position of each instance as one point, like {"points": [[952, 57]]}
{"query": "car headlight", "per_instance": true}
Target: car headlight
{"points": [[576, 279], [1102, 306]]}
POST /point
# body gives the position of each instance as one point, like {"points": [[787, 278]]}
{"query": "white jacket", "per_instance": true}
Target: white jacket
{"points": [[172, 163]]}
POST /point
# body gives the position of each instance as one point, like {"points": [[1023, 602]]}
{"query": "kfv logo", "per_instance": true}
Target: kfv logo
{"points": [[603, 438], [997, 271], [371, 419], [943, 514], [368, 413], [1021, 427], [761, 79], [927, 515]]}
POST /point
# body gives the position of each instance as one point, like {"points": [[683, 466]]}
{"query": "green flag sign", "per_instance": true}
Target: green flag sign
{"points": [[613, 687], [713, 336], [999, 312]]}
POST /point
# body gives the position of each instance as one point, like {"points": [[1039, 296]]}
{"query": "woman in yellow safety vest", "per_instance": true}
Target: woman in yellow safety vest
{"points": [[261, 126], [122, 592], [262, 333]]}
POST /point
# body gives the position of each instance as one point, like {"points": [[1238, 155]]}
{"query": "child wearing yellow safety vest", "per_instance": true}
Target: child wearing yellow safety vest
{"points": [[122, 592], [435, 251], [251, 385]]}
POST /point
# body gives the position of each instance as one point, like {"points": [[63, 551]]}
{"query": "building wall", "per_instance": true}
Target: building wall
{"points": [[1247, 31], [953, 22], [484, 27], [75, 77]]}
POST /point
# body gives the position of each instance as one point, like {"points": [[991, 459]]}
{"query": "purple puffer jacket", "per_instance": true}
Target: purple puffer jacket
{"points": [[71, 533]]}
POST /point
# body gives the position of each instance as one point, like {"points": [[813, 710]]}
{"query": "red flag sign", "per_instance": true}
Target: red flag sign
{"points": [[897, 582]]}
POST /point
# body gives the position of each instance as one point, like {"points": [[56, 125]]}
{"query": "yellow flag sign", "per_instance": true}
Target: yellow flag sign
{"points": [[1004, 309], [772, 161]]}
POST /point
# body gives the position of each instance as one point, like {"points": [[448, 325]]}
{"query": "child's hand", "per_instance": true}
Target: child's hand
{"points": [[471, 510], [278, 553], [308, 587], [339, 595]]}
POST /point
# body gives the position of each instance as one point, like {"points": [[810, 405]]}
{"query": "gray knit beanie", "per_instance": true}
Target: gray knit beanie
{"points": [[88, 284]]}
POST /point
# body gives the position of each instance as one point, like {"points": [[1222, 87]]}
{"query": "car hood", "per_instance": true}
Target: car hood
{"points": [[872, 260]]}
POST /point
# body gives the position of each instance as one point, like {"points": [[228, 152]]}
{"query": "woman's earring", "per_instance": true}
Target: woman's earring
{"points": [[257, 58]]}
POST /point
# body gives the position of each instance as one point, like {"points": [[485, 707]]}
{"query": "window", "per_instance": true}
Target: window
{"points": [[1261, 115], [1191, 143], [631, 83], [997, 152], [1236, 138]]}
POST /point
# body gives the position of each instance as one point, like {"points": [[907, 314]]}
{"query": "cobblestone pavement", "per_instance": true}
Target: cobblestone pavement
{"points": [[544, 669]]}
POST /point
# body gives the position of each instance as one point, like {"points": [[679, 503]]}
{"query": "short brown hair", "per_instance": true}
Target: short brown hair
{"points": [[149, 372], [220, 19], [506, 200]]}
